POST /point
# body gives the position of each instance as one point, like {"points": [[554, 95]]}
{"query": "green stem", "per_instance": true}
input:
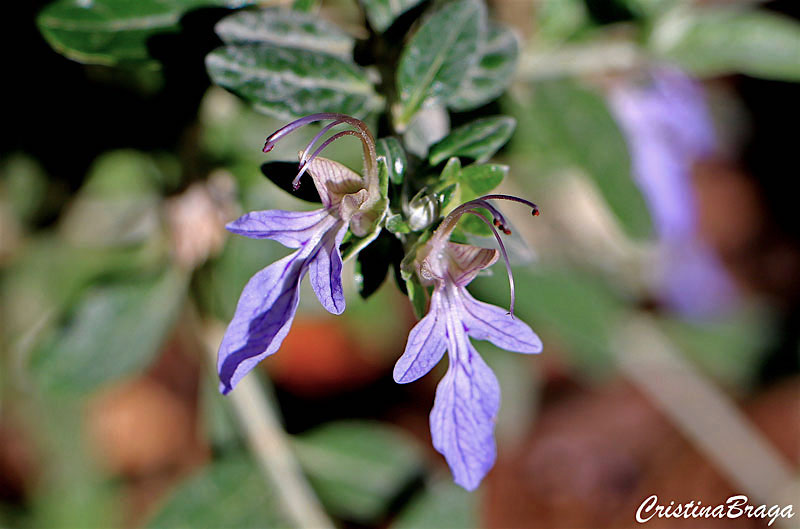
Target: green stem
{"points": [[270, 445]]}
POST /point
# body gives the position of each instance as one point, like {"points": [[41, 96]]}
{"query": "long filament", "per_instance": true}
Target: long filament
{"points": [[368, 141], [505, 258], [319, 135], [304, 166]]}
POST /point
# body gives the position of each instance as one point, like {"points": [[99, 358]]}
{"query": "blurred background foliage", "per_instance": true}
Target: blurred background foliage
{"points": [[134, 135]]}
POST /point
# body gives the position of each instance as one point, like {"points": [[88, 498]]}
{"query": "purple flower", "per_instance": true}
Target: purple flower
{"points": [[269, 301], [668, 128], [468, 397]]}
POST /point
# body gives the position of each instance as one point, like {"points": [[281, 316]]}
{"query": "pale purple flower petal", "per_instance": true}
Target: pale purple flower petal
{"points": [[668, 128], [487, 322], [263, 316], [325, 271], [426, 345], [269, 301], [464, 411], [290, 228], [466, 261], [692, 283], [333, 180]]}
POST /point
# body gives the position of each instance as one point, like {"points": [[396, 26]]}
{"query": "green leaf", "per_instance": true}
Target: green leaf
{"points": [[728, 349], [437, 58], [712, 42], [558, 20], [650, 8], [443, 505], [478, 140], [306, 6], [382, 13], [450, 173], [577, 307], [372, 264], [470, 224], [289, 83], [228, 493], [489, 77], [110, 31], [418, 297], [480, 179], [396, 224], [396, 160], [358, 468], [287, 28], [23, 185], [116, 331], [571, 126]]}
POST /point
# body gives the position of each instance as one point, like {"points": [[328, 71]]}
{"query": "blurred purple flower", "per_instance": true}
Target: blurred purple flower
{"points": [[269, 301], [468, 397], [668, 128]]}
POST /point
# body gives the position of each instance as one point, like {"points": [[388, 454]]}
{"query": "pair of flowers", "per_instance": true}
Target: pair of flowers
{"points": [[468, 397]]}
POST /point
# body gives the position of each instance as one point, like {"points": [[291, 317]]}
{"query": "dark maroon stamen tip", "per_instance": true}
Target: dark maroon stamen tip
{"points": [[535, 212]]}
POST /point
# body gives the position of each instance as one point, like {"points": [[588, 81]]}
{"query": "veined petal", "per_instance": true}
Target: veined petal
{"points": [[263, 316], [463, 415], [333, 180], [465, 261], [325, 271], [426, 345], [487, 322], [290, 228]]}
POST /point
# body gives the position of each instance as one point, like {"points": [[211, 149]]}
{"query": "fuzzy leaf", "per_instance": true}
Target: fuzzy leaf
{"points": [[396, 224], [480, 179], [441, 505], [382, 13], [571, 126], [110, 31], [221, 495], [396, 160], [437, 58], [290, 83], [358, 467], [712, 42], [492, 74], [478, 140], [287, 28], [115, 332]]}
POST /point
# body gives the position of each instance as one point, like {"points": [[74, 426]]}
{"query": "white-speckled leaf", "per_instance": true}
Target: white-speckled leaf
{"points": [[478, 140], [382, 13], [711, 42], [492, 74], [290, 83], [437, 58], [285, 27], [111, 31]]}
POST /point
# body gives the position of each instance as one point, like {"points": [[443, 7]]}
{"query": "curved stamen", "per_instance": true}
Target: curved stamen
{"points": [[370, 155], [505, 258], [316, 138], [512, 198], [304, 165], [449, 223], [273, 138]]}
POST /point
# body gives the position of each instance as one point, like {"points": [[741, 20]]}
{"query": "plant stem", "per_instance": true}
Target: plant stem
{"points": [[269, 443]]}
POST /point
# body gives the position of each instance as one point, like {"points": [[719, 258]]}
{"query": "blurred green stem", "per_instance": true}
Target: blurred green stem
{"points": [[269, 444]]}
